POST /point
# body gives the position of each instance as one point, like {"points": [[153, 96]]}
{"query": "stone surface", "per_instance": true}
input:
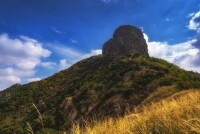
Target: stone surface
{"points": [[127, 40]]}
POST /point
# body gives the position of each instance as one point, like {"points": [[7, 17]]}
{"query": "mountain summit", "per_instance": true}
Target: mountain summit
{"points": [[127, 40]]}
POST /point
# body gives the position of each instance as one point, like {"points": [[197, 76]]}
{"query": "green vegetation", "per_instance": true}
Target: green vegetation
{"points": [[94, 87]]}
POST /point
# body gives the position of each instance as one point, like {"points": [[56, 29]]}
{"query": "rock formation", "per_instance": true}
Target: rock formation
{"points": [[127, 40]]}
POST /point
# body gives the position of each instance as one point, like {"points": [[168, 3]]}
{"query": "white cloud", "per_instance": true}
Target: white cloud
{"points": [[7, 78], [22, 52], [48, 65], [73, 41], [194, 23], [92, 53], [64, 64], [33, 79], [19, 58], [183, 54]]}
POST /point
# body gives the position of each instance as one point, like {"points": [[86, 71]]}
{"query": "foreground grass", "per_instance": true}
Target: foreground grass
{"points": [[178, 114]]}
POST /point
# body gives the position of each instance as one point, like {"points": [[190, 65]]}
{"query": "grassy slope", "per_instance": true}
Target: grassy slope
{"points": [[179, 113], [95, 86]]}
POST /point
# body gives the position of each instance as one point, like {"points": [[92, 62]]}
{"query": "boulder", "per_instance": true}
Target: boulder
{"points": [[127, 40]]}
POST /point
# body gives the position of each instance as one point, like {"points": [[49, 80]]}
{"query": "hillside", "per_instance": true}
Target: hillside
{"points": [[95, 87], [177, 114]]}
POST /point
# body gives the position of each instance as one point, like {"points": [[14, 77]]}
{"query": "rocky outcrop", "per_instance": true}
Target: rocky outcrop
{"points": [[127, 40], [69, 109]]}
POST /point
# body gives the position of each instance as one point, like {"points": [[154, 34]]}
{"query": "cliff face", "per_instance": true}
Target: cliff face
{"points": [[127, 40]]}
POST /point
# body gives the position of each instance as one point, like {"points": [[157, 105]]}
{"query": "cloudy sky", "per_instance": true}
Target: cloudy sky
{"points": [[41, 37]]}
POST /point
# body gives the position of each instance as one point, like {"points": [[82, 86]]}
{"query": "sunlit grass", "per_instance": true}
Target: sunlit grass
{"points": [[178, 114]]}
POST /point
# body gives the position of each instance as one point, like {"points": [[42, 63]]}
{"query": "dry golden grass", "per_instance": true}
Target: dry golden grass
{"points": [[178, 114]]}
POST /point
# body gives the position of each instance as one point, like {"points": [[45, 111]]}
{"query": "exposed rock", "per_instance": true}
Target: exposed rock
{"points": [[115, 106], [69, 109], [127, 40]]}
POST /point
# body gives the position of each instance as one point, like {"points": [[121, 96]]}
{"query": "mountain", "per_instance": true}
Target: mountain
{"points": [[94, 86], [99, 87]]}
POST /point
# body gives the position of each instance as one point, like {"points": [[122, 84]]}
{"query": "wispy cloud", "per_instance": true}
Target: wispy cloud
{"points": [[66, 63], [73, 41], [106, 1], [56, 30], [33, 79], [110, 1], [71, 56], [194, 23], [191, 14], [68, 52], [92, 53], [167, 19]]}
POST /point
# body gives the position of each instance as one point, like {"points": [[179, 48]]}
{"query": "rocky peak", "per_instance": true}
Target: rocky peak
{"points": [[127, 40]]}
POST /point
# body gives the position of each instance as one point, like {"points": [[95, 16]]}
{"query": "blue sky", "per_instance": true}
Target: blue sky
{"points": [[41, 37]]}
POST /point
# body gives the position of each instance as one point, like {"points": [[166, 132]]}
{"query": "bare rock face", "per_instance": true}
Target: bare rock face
{"points": [[127, 40], [69, 109]]}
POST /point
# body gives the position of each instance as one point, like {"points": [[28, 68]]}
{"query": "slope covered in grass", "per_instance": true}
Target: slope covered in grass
{"points": [[177, 114]]}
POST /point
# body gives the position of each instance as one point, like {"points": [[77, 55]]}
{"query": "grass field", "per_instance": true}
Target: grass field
{"points": [[177, 114]]}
